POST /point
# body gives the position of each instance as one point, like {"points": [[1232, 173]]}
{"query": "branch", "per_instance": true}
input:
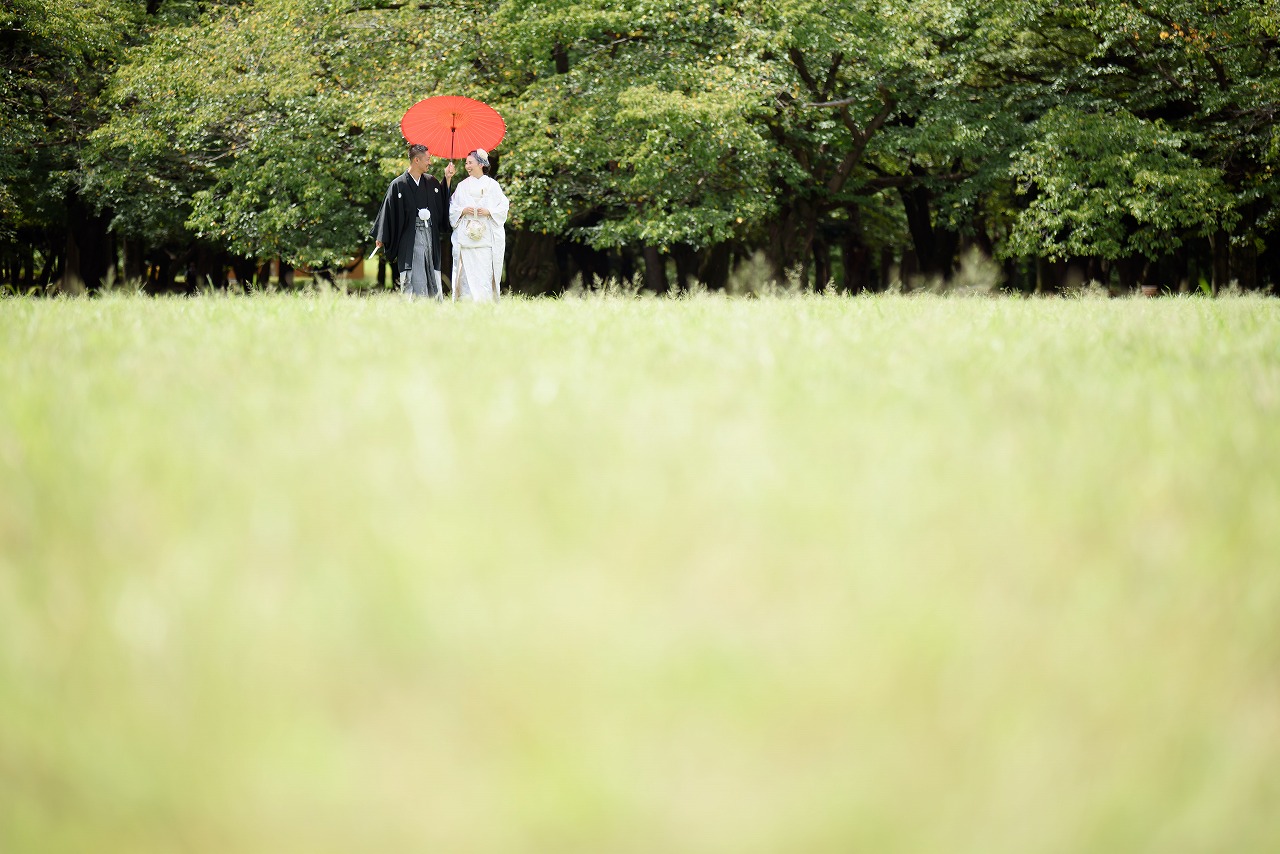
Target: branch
{"points": [[797, 59], [843, 102], [422, 6], [860, 139], [892, 182], [831, 74]]}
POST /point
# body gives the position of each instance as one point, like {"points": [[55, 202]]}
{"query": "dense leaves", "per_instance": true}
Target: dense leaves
{"points": [[237, 131], [826, 134], [640, 127], [55, 55], [1113, 186]]}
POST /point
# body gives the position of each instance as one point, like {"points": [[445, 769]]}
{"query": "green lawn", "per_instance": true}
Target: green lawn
{"points": [[324, 574]]}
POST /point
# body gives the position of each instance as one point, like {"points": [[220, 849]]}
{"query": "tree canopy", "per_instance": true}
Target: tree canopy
{"points": [[852, 141]]}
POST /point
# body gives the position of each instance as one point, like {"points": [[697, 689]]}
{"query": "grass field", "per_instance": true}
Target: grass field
{"points": [[323, 574]]}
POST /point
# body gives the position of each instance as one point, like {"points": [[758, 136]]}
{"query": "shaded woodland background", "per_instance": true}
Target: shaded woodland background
{"points": [[174, 144]]}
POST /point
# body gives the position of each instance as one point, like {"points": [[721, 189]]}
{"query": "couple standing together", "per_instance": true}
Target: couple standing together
{"points": [[409, 226]]}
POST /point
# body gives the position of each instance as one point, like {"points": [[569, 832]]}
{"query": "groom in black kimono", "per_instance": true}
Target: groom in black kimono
{"points": [[409, 223]]}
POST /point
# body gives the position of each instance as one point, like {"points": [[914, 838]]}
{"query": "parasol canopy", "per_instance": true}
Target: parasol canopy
{"points": [[452, 126]]}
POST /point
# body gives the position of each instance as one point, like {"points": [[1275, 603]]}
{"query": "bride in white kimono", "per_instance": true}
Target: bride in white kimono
{"points": [[478, 213]]}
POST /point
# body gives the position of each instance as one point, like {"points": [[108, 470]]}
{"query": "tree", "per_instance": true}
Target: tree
{"points": [[241, 130], [1112, 186], [1189, 87], [56, 56], [833, 137], [631, 127]]}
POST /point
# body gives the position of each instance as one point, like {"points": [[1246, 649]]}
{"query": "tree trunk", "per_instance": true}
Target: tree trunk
{"points": [[531, 266], [1244, 263], [71, 282], [655, 270], [856, 260], [686, 262], [51, 270], [807, 234], [1269, 263], [162, 277], [245, 269], [87, 252], [134, 261], [791, 241], [202, 268], [1221, 260], [622, 265], [935, 248], [714, 267], [909, 269], [884, 270], [821, 265]]}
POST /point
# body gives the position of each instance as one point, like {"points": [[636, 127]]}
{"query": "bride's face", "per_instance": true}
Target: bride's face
{"points": [[474, 169]]}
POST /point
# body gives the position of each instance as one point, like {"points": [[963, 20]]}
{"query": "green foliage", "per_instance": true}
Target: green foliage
{"points": [[271, 127], [308, 201], [236, 130], [55, 56], [1112, 186], [646, 129]]}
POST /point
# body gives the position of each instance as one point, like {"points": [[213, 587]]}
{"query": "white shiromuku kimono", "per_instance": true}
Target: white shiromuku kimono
{"points": [[479, 242]]}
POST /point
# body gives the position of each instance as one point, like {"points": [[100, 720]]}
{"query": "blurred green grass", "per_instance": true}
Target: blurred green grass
{"points": [[812, 574]]}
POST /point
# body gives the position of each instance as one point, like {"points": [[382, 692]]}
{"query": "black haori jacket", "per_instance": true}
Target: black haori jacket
{"points": [[394, 225]]}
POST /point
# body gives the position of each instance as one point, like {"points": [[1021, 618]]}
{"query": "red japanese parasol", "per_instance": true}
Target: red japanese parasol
{"points": [[452, 126]]}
